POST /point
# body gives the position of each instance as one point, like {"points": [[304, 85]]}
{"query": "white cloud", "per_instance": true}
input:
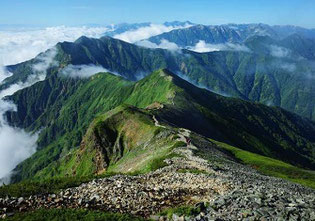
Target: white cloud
{"points": [[165, 44], [279, 52], [142, 33], [203, 47], [83, 71]]}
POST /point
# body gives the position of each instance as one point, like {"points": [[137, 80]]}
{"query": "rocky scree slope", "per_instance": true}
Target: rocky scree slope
{"points": [[200, 174]]}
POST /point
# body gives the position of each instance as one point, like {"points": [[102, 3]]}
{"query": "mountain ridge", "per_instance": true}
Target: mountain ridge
{"points": [[265, 130]]}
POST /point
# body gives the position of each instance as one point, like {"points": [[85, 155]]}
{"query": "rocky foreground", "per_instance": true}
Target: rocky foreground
{"points": [[204, 176]]}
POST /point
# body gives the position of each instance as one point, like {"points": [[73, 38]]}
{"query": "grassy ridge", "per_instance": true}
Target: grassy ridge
{"points": [[271, 166], [29, 187]]}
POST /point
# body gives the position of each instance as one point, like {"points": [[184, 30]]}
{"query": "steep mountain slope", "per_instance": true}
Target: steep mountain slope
{"points": [[124, 140], [269, 131], [286, 30], [302, 46], [279, 81], [294, 48]]}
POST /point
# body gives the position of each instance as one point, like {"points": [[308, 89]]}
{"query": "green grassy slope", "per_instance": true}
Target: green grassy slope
{"points": [[65, 121], [72, 214], [271, 166]]}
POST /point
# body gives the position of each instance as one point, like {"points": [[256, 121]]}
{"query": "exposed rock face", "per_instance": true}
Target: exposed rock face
{"points": [[231, 191]]}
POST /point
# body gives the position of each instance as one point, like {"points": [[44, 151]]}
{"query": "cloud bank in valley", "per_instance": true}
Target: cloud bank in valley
{"points": [[142, 33], [203, 47], [17, 144], [83, 71]]}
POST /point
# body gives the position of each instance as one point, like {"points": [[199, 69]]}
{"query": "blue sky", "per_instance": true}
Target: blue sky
{"points": [[78, 12]]}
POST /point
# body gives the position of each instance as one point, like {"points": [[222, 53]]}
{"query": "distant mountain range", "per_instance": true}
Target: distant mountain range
{"points": [[231, 33], [273, 72]]}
